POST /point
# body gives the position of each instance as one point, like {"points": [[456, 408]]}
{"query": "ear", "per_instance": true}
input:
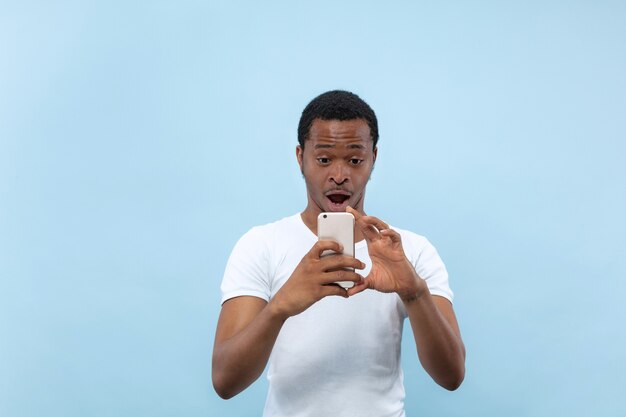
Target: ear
{"points": [[373, 162], [300, 156]]}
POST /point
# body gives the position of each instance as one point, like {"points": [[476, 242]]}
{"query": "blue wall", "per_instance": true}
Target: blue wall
{"points": [[139, 141]]}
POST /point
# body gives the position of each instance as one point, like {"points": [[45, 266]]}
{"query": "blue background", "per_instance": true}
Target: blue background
{"points": [[140, 140]]}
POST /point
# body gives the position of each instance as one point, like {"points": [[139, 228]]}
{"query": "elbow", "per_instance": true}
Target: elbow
{"points": [[453, 385], [229, 382], [447, 374], [223, 392], [222, 388], [454, 380], [456, 373], [222, 379]]}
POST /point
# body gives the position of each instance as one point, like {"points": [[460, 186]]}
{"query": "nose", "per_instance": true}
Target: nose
{"points": [[339, 173]]}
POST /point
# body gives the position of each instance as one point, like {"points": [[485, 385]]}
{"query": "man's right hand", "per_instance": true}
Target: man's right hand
{"points": [[248, 327], [314, 278]]}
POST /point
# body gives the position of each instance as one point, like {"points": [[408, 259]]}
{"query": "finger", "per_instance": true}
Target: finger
{"points": [[341, 275], [333, 289], [358, 287], [376, 222], [324, 245], [369, 225], [331, 263], [369, 231], [355, 213], [392, 234]]}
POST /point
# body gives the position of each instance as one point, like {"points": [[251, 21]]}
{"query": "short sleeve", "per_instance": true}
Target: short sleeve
{"points": [[431, 268], [247, 271]]}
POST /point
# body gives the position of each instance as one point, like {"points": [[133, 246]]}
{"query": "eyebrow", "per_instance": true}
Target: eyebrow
{"points": [[351, 146]]}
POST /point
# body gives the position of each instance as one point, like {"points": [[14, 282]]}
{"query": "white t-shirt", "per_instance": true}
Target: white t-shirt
{"points": [[340, 357]]}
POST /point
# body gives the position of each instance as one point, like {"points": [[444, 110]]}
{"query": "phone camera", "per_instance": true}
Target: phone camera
{"points": [[325, 216]]}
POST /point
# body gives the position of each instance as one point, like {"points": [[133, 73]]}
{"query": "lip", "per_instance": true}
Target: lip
{"points": [[338, 206], [339, 192]]}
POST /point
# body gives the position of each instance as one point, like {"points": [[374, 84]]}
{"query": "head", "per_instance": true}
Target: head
{"points": [[337, 138], [337, 105]]}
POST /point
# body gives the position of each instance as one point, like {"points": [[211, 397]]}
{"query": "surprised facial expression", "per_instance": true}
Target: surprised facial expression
{"points": [[336, 162]]}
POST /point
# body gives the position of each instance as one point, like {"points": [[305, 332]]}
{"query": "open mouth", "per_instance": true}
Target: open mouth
{"points": [[338, 200]]}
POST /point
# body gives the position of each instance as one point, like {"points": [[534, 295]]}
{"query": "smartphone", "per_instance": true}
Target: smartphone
{"points": [[338, 227]]}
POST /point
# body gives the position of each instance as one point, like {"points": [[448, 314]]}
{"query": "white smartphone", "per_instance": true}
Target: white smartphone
{"points": [[338, 227]]}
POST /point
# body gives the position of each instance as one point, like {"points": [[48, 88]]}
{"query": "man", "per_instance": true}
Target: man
{"points": [[334, 356]]}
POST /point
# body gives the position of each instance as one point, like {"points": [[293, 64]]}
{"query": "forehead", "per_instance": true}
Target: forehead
{"points": [[347, 132]]}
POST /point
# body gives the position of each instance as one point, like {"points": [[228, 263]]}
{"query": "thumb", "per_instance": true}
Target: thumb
{"points": [[358, 287]]}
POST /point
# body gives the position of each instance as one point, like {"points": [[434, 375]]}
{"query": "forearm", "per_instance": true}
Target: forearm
{"points": [[239, 360], [439, 345]]}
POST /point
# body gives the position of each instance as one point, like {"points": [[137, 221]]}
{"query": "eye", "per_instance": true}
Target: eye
{"points": [[356, 161], [323, 161]]}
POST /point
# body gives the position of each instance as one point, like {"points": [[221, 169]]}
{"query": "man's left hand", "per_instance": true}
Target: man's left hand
{"points": [[391, 270]]}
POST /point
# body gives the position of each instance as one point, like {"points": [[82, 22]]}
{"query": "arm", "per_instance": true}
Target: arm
{"points": [[248, 326], [244, 322], [435, 329], [438, 339]]}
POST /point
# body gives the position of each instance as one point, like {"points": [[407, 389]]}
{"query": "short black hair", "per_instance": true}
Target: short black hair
{"points": [[336, 105]]}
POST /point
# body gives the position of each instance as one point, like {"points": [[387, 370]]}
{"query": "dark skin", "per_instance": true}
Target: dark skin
{"points": [[337, 158]]}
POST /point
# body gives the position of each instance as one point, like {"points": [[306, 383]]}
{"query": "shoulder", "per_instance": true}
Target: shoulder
{"points": [[270, 232], [427, 263], [251, 265], [411, 241], [418, 248], [286, 224]]}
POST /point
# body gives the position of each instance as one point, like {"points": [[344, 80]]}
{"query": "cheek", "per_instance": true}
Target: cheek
{"points": [[309, 175]]}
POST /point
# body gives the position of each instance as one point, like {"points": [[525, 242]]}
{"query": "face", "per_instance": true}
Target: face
{"points": [[336, 162]]}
